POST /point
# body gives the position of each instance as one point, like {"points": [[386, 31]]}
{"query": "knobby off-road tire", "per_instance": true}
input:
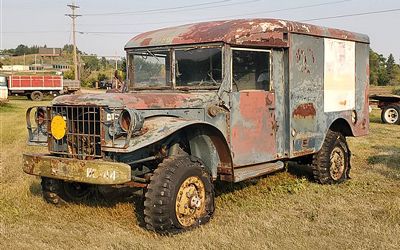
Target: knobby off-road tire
{"points": [[59, 192], [180, 196], [331, 164], [391, 114]]}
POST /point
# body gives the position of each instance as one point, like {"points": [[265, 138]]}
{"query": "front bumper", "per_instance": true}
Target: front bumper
{"points": [[85, 171]]}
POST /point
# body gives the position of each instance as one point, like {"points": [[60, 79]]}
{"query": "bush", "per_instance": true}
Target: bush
{"points": [[396, 91], [88, 82], [69, 74], [101, 77]]}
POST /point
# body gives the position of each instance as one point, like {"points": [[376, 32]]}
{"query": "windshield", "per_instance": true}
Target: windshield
{"points": [[151, 69], [193, 67], [3, 81]]}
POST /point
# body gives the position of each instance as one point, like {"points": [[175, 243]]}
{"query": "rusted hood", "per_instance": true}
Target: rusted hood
{"points": [[140, 100]]}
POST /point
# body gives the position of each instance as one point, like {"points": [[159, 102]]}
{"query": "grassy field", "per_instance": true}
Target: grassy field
{"points": [[281, 211]]}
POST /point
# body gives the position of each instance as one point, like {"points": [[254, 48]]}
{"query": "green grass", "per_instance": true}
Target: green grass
{"points": [[281, 211]]}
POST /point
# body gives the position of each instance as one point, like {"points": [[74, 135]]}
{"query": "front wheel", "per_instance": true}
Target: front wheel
{"points": [[58, 192], [180, 196], [331, 164], [391, 114]]}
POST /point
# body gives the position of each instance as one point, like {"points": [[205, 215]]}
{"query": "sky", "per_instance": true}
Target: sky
{"points": [[106, 26]]}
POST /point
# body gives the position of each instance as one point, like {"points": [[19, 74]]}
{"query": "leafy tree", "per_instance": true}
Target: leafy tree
{"points": [[101, 77], [103, 62], [22, 49], [378, 69], [123, 68], [373, 67], [390, 68], [69, 48], [91, 63]]}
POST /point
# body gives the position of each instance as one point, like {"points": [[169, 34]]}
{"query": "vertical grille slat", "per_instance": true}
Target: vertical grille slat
{"points": [[83, 138]]}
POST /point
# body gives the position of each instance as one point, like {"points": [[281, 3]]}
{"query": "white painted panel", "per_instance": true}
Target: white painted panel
{"points": [[3, 92], [339, 75]]}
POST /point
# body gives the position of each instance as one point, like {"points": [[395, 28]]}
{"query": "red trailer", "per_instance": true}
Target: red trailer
{"points": [[35, 87]]}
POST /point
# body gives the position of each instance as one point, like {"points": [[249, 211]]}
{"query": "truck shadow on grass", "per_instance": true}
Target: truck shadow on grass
{"points": [[110, 197], [106, 198], [388, 156]]}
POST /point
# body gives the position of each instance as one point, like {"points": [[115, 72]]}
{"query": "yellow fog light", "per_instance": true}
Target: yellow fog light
{"points": [[58, 127]]}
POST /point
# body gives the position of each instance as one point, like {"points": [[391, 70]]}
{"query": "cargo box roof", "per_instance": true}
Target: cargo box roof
{"points": [[249, 32]]}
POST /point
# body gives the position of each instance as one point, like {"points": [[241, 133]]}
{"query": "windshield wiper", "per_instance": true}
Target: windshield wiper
{"points": [[151, 53]]}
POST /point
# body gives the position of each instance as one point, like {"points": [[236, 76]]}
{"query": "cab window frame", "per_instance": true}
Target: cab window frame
{"points": [[269, 51]]}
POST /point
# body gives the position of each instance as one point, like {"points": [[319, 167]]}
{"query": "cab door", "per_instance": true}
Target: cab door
{"points": [[3, 88], [252, 124]]}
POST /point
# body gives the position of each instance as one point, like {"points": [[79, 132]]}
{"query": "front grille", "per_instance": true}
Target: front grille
{"points": [[83, 134]]}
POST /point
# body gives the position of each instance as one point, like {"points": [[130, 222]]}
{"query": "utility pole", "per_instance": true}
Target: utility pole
{"points": [[73, 16]]}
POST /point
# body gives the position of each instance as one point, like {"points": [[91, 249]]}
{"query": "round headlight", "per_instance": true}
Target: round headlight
{"points": [[130, 119], [40, 116], [125, 120]]}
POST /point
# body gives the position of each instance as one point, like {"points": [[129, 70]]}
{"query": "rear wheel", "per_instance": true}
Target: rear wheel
{"points": [[58, 192], [331, 164], [180, 196], [36, 96], [391, 114]]}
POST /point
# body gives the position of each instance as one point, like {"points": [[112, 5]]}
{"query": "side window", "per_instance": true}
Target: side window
{"points": [[251, 70]]}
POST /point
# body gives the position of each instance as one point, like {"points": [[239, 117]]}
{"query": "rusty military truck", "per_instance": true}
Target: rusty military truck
{"points": [[222, 100]]}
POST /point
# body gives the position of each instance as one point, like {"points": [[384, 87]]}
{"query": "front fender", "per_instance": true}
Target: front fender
{"points": [[155, 129]]}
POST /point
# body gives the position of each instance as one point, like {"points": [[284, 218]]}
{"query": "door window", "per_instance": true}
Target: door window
{"points": [[251, 70]]}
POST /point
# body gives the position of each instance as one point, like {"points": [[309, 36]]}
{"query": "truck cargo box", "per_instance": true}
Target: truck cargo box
{"points": [[35, 82]]}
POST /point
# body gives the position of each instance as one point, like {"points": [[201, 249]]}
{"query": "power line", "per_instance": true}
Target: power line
{"points": [[351, 15], [156, 10], [35, 32], [106, 32], [304, 20], [231, 16]]}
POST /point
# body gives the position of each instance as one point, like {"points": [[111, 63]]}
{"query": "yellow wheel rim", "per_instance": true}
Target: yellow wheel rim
{"points": [[190, 201], [58, 127], [337, 163]]}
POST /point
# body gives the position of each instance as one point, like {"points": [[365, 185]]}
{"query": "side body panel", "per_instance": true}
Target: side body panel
{"points": [[306, 71], [309, 67]]}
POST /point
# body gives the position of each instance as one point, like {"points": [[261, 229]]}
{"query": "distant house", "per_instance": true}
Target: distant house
{"points": [[14, 68], [4, 56], [50, 51]]}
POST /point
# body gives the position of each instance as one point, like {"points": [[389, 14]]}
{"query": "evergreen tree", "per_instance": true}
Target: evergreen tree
{"points": [[390, 68]]}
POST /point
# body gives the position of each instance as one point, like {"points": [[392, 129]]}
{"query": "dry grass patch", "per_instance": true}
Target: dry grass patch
{"points": [[283, 210]]}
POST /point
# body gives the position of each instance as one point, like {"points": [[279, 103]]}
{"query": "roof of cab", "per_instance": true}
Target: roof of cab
{"points": [[250, 32]]}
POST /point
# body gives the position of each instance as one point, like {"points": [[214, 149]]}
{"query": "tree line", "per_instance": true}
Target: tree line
{"points": [[383, 71]]}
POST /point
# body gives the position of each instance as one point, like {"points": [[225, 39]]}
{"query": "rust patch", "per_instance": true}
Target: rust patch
{"points": [[145, 41], [304, 58], [304, 110]]}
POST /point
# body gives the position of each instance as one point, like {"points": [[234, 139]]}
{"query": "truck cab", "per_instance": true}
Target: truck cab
{"points": [[3, 88], [224, 100]]}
